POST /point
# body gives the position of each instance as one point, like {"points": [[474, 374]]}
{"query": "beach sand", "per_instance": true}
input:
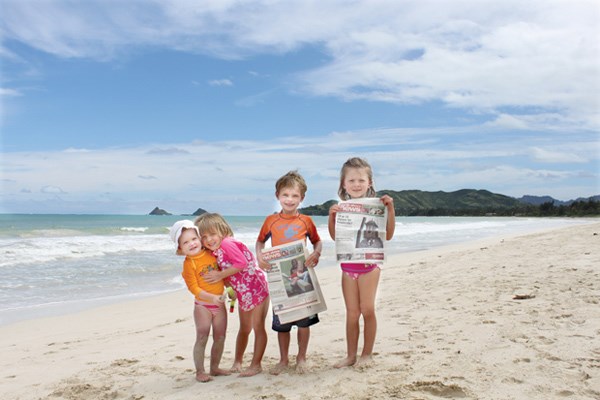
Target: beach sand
{"points": [[449, 327]]}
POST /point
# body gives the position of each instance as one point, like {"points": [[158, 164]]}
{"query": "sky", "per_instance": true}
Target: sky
{"points": [[117, 107]]}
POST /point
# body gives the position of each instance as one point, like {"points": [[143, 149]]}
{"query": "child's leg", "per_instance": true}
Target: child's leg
{"points": [[219, 325], [202, 319], [259, 315], [351, 300], [283, 338], [303, 338], [241, 341], [367, 288]]}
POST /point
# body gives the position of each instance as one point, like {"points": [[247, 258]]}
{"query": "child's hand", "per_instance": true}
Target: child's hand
{"points": [[313, 259], [387, 201], [218, 299], [265, 266], [212, 277], [334, 209]]}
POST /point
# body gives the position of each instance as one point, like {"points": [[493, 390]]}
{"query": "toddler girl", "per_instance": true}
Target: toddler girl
{"points": [[209, 309]]}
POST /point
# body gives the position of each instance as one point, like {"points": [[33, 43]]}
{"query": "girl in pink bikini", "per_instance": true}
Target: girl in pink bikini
{"points": [[239, 266], [359, 280], [209, 308]]}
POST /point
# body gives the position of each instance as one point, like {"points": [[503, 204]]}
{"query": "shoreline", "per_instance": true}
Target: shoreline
{"points": [[448, 327], [29, 303]]}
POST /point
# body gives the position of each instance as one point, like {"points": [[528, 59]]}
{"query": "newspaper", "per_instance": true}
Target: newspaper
{"points": [[294, 288], [360, 230]]}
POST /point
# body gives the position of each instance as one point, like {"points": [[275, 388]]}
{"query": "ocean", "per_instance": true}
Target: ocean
{"points": [[56, 264]]}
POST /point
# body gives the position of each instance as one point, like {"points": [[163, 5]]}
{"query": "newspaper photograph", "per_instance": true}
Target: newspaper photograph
{"points": [[294, 288], [360, 230]]}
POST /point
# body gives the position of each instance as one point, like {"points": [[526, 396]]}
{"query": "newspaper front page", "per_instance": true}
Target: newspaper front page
{"points": [[294, 288], [360, 230]]}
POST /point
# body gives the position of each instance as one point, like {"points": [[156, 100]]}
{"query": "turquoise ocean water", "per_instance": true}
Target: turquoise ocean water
{"points": [[54, 264]]}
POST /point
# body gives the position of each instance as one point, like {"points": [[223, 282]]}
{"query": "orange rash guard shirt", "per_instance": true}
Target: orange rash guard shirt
{"points": [[283, 229], [194, 268]]}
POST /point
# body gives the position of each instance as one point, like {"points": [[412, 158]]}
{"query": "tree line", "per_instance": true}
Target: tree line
{"points": [[589, 208]]}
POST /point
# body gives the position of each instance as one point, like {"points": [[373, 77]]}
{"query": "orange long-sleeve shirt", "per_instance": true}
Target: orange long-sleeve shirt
{"points": [[194, 267]]}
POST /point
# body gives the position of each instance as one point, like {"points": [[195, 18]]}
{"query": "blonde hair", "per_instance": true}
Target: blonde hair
{"points": [[213, 222], [291, 179], [358, 163]]}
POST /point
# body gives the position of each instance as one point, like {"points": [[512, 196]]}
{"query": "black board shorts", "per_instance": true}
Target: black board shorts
{"points": [[301, 323]]}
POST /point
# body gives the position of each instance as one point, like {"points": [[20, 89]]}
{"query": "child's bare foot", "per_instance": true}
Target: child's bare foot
{"points": [[219, 372], [250, 371], [203, 377], [301, 366], [279, 368], [237, 367], [364, 362], [346, 362]]}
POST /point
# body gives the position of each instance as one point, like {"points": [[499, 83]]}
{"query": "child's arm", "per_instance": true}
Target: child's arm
{"points": [[259, 247], [210, 298], [313, 259], [388, 202], [235, 259], [216, 276], [331, 223]]}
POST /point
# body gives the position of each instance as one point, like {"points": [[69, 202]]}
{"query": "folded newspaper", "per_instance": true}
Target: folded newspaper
{"points": [[294, 288], [360, 230]]}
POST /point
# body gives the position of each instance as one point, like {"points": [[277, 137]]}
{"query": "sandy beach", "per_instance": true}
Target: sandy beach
{"points": [[505, 318]]}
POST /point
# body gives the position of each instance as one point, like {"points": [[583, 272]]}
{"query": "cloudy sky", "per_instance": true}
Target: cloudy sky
{"points": [[121, 106]]}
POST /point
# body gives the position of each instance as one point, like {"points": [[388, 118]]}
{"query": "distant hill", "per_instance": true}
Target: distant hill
{"points": [[408, 202], [158, 211], [461, 202], [538, 200]]}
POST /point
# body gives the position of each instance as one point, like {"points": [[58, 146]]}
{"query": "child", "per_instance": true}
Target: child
{"points": [[238, 265], [287, 226], [209, 308], [360, 280]]}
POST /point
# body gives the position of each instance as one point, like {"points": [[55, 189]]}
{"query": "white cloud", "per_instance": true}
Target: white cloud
{"points": [[220, 82], [479, 56], [9, 92], [554, 156], [52, 190], [237, 177]]}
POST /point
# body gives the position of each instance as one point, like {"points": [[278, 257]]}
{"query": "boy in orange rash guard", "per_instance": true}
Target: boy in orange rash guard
{"points": [[209, 306], [287, 226]]}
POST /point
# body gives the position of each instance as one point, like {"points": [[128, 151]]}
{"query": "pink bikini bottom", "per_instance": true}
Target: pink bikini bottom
{"points": [[355, 270]]}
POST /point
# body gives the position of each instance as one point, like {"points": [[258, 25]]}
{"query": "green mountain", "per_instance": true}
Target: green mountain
{"points": [[465, 201], [460, 202]]}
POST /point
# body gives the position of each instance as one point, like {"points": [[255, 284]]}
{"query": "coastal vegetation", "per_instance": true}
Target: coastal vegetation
{"points": [[471, 202], [465, 202]]}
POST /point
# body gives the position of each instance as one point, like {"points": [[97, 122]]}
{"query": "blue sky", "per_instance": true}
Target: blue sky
{"points": [[121, 106]]}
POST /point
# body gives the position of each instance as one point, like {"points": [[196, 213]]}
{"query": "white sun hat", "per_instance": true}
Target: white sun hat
{"points": [[177, 228]]}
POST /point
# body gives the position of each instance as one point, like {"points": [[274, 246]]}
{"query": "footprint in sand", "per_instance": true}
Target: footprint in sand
{"points": [[123, 362], [76, 389], [437, 388]]}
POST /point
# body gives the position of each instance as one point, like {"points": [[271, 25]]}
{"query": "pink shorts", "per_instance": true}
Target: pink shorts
{"points": [[355, 270]]}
